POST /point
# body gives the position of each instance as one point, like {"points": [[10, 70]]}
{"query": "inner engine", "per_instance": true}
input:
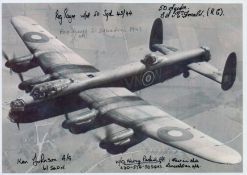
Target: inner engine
{"points": [[47, 89], [120, 138], [86, 121], [86, 117]]}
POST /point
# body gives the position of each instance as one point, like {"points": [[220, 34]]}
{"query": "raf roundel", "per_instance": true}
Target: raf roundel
{"points": [[35, 37], [173, 134], [148, 78]]}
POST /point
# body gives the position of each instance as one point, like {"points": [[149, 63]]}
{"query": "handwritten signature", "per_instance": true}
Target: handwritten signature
{"points": [[145, 160], [152, 162], [47, 162], [69, 16], [182, 11]]}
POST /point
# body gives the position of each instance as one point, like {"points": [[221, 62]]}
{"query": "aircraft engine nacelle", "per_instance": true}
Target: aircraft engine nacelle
{"points": [[121, 138], [21, 64], [27, 85], [85, 118], [49, 88]]}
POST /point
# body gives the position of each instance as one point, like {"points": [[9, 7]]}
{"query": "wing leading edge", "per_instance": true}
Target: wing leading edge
{"points": [[128, 110]]}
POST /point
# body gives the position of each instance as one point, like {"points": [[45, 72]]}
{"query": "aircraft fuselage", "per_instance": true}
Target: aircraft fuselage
{"points": [[135, 76]]}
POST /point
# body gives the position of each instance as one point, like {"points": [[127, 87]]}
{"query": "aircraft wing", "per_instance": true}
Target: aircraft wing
{"points": [[207, 70], [126, 109], [52, 55]]}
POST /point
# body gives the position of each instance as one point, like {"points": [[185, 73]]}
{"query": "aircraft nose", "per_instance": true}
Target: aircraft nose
{"points": [[17, 105], [21, 103], [13, 117], [19, 108], [7, 64]]}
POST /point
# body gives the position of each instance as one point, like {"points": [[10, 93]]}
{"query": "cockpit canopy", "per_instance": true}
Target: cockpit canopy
{"points": [[149, 59]]}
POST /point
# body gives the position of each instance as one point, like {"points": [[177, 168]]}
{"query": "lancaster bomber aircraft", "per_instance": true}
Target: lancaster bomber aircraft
{"points": [[71, 84]]}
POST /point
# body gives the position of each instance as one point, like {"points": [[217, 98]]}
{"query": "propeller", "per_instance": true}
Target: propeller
{"points": [[6, 57], [105, 143], [66, 116], [18, 126], [21, 77], [97, 137], [10, 69], [108, 133], [64, 124]]}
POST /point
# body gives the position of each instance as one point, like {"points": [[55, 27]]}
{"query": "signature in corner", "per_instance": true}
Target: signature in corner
{"points": [[182, 11], [145, 160], [42, 159]]}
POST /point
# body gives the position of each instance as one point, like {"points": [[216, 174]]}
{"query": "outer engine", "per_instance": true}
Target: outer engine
{"points": [[27, 85], [21, 64]]}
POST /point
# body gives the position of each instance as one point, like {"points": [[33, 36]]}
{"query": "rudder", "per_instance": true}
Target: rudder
{"points": [[156, 36], [229, 73]]}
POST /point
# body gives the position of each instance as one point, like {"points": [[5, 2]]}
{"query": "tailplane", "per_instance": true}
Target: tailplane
{"points": [[226, 77], [156, 39]]}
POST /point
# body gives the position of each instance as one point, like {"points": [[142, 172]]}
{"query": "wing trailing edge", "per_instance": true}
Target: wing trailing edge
{"points": [[126, 109]]}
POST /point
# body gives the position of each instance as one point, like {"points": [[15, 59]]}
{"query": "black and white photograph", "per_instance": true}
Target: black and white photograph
{"points": [[122, 87]]}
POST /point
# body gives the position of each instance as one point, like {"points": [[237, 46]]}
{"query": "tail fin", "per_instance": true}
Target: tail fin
{"points": [[156, 39], [156, 36], [229, 73]]}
